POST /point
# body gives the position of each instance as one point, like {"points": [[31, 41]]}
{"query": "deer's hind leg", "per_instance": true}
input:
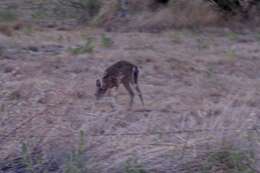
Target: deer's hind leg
{"points": [[131, 93], [139, 93], [134, 81]]}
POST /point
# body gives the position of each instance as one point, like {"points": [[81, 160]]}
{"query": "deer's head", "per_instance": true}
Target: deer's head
{"points": [[105, 83], [100, 89]]}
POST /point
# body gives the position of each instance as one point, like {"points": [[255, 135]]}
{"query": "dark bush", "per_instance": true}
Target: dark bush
{"points": [[242, 7], [228, 5], [86, 9]]}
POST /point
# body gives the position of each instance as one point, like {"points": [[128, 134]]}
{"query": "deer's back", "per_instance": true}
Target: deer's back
{"points": [[122, 67]]}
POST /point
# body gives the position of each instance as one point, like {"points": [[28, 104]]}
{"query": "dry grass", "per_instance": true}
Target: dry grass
{"points": [[107, 12], [9, 29], [187, 14], [175, 14], [48, 98], [190, 13], [6, 30], [151, 16]]}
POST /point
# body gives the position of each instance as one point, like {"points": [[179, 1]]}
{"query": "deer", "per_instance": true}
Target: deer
{"points": [[121, 72]]}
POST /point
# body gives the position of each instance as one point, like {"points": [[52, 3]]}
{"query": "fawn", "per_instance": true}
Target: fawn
{"points": [[122, 72]]}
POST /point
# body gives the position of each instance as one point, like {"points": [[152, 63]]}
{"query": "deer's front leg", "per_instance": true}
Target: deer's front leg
{"points": [[131, 94]]}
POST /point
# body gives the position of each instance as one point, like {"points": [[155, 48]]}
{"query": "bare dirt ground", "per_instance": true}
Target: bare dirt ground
{"points": [[190, 79]]}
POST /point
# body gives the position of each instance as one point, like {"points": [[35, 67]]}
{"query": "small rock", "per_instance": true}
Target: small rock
{"points": [[33, 48]]}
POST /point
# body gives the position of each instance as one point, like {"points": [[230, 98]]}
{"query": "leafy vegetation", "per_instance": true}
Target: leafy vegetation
{"points": [[202, 43], [258, 36], [176, 37], [92, 6], [75, 162], [132, 166], [229, 161], [7, 16], [27, 159], [37, 15], [106, 41], [87, 47], [86, 9], [28, 30], [231, 55], [233, 36]]}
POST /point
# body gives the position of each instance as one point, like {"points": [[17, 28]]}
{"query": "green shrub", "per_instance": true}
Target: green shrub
{"points": [[106, 41], [176, 37], [257, 36], [92, 6], [203, 43], [1, 51], [7, 16], [75, 161], [233, 36], [27, 159], [229, 161], [132, 166], [87, 47], [84, 10], [231, 55], [40, 14], [28, 30]]}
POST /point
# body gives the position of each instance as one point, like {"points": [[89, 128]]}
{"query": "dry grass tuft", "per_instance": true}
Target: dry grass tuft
{"points": [[6, 30], [107, 12], [150, 15], [190, 13]]}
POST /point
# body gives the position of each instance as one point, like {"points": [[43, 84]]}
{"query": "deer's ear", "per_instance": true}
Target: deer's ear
{"points": [[98, 83]]}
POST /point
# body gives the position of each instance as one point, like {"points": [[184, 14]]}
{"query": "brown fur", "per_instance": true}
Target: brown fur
{"points": [[122, 72]]}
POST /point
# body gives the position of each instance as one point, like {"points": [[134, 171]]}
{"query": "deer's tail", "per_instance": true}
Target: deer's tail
{"points": [[135, 73]]}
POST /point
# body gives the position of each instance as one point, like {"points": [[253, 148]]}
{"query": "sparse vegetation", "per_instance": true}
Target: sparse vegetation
{"points": [[15, 95], [232, 36], [192, 14], [7, 16], [231, 55], [75, 162], [27, 158], [132, 166], [258, 36], [210, 71], [39, 14], [229, 161], [176, 37], [106, 41], [202, 43], [87, 9], [6, 30], [200, 86], [1, 51], [27, 30], [87, 47]]}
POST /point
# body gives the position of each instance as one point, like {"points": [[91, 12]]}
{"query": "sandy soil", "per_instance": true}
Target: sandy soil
{"points": [[190, 80]]}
